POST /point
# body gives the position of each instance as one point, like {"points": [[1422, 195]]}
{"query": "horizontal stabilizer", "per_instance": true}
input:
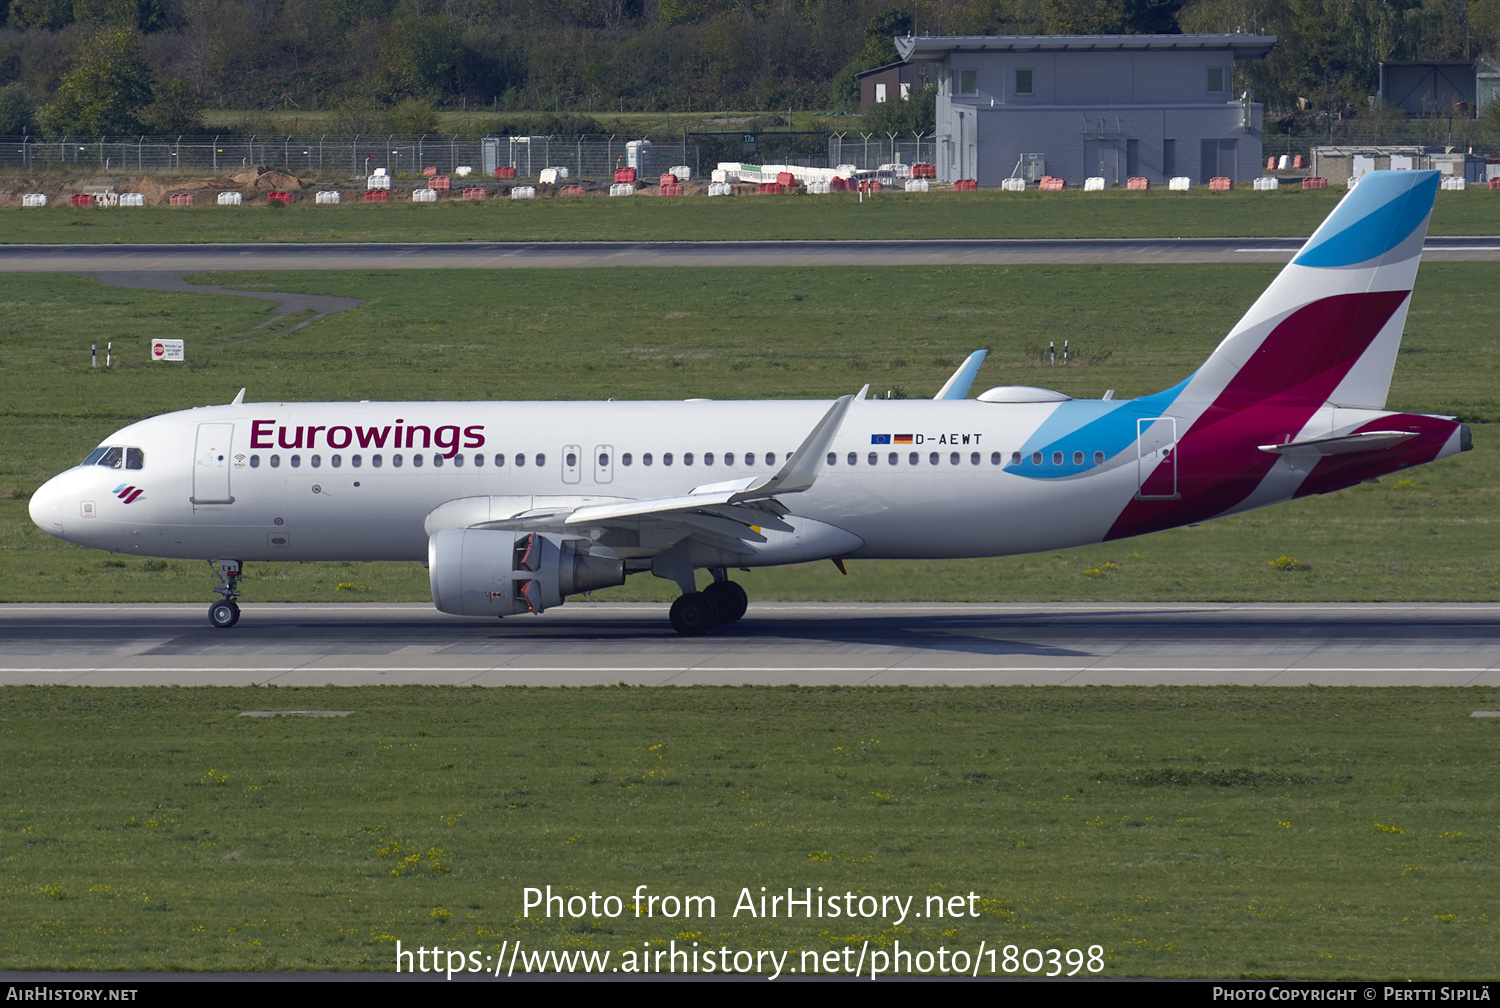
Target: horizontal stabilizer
{"points": [[1344, 445]]}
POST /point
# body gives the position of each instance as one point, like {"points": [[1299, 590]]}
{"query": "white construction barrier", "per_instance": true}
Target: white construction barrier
{"points": [[912, 185], [133, 199], [424, 196], [1013, 184], [523, 192], [326, 196], [1284, 163], [552, 176], [1180, 184], [815, 188], [1266, 183], [1095, 184], [1452, 182], [464, 171], [897, 170], [34, 199], [106, 200], [719, 175], [622, 189], [380, 180], [682, 171], [230, 199], [725, 189]]}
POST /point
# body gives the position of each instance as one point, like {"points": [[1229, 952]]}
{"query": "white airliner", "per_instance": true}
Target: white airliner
{"points": [[514, 506]]}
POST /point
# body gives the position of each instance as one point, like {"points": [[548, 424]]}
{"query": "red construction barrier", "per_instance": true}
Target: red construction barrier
{"points": [[1298, 161], [505, 171], [570, 190], [669, 179], [923, 170], [440, 182], [871, 186], [770, 189], [1049, 183], [284, 198], [473, 192], [1220, 184], [1495, 183], [1138, 182], [81, 199], [377, 195], [1315, 183], [624, 175], [1272, 162], [180, 199], [429, 172], [786, 178], [673, 189]]}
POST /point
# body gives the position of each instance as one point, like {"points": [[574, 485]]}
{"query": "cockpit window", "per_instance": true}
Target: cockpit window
{"points": [[115, 457]]}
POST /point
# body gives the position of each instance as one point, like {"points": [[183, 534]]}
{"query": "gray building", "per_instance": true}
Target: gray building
{"points": [[1081, 106]]}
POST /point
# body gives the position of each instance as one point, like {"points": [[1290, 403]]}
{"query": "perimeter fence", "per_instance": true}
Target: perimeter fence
{"points": [[594, 157]]}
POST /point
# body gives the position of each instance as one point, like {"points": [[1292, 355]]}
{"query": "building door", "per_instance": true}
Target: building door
{"points": [[1101, 159], [1217, 160]]}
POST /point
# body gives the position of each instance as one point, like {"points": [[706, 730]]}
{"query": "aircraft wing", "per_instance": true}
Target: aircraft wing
{"points": [[727, 514]]}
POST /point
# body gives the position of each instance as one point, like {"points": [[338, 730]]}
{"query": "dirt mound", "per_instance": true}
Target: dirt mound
{"points": [[265, 179]]}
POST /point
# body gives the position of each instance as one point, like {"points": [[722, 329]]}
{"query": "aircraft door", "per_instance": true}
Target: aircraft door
{"points": [[604, 463], [1156, 466], [211, 463], [573, 463]]}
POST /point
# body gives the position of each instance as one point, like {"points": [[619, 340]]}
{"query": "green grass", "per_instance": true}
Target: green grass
{"points": [[755, 333], [1208, 832], [1119, 214]]}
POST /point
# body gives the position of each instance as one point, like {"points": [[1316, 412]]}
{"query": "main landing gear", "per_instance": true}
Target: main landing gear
{"points": [[696, 613], [226, 612]]}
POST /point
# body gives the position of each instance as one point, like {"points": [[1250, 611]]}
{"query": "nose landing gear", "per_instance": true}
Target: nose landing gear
{"points": [[226, 612]]}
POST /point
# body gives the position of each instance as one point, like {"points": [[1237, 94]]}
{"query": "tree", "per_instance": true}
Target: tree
{"points": [[17, 113], [106, 91], [917, 114], [175, 110]]}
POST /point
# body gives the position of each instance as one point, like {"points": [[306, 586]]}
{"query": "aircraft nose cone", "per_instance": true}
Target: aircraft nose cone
{"points": [[45, 507]]}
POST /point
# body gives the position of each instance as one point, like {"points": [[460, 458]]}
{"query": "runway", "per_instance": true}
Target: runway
{"points": [[569, 255], [866, 644]]}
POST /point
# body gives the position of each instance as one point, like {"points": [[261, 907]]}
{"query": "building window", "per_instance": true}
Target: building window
{"points": [[879, 93], [1216, 80], [1023, 82], [966, 82]]}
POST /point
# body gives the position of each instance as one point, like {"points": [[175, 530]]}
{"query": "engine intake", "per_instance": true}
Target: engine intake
{"points": [[482, 572]]}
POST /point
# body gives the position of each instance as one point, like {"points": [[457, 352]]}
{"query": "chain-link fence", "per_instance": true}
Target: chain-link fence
{"points": [[586, 157]]}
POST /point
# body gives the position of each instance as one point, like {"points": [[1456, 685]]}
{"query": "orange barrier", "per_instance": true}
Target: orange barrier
{"points": [[1220, 184], [1049, 183], [570, 190], [473, 193], [1315, 183], [1299, 162], [180, 199], [440, 183], [1271, 163], [429, 172], [1138, 182]]}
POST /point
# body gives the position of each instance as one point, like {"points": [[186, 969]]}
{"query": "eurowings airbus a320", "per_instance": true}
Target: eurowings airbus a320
{"points": [[516, 505]]}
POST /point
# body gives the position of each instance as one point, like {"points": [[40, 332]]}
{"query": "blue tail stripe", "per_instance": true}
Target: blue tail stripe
{"points": [[1381, 213]]}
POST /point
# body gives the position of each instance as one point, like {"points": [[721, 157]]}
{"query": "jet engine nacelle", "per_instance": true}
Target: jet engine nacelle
{"points": [[483, 572]]}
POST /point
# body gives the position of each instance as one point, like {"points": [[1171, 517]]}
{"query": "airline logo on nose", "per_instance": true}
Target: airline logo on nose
{"points": [[128, 493]]}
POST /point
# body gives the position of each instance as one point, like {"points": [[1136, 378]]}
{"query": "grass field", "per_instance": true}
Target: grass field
{"points": [[656, 333], [1210, 832], [646, 217]]}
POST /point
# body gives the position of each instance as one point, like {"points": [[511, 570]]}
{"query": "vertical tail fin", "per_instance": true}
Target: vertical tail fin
{"points": [[1328, 328]]}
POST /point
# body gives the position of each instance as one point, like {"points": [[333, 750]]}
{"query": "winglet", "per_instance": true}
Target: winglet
{"points": [[239, 400], [799, 471], [957, 387]]}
